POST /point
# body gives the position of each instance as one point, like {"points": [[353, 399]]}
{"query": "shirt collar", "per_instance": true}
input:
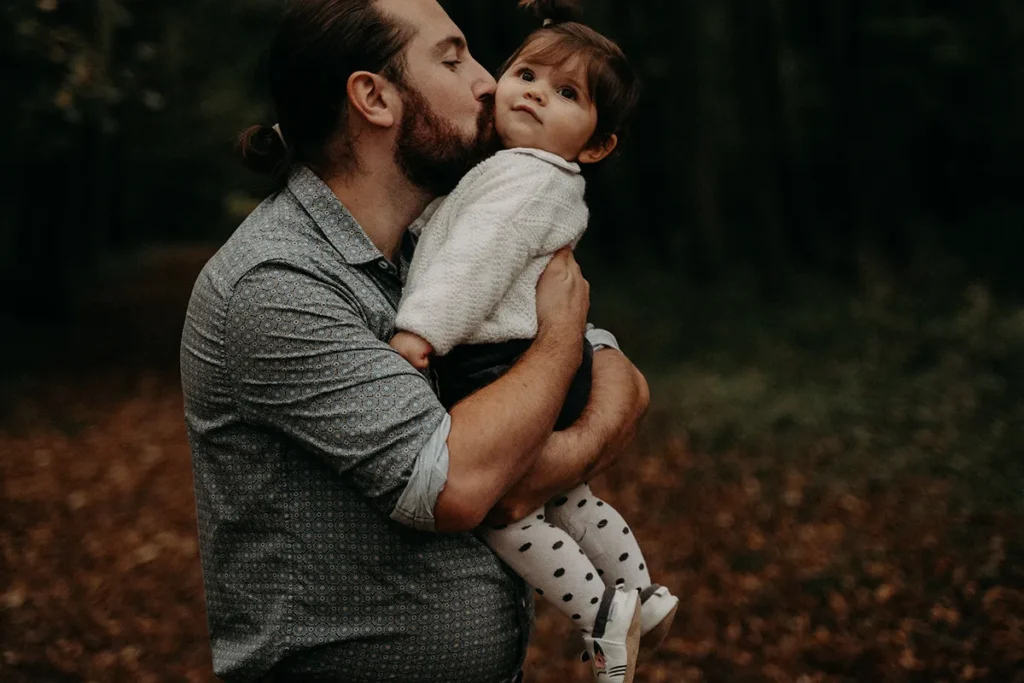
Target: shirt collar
{"points": [[334, 220], [554, 159], [416, 227]]}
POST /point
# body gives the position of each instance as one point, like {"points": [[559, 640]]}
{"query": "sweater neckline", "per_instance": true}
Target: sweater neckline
{"points": [[554, 159]]}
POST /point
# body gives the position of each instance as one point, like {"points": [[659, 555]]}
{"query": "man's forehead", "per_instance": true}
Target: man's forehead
{"points": [[426, 17]]}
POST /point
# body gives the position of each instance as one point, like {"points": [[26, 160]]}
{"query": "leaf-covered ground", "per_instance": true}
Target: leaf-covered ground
{"points": [[833, 490]]}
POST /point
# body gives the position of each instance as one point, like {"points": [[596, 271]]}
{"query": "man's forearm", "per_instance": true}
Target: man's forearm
{"points": [[568, 458], [497, 433]]}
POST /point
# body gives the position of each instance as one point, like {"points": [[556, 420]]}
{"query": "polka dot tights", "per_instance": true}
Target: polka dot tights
{"points": [[570, 550]]}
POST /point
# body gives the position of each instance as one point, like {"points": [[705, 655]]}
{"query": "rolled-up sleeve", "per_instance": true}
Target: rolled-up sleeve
{"points": [[416, 504], [304, 362], [601, 339]]}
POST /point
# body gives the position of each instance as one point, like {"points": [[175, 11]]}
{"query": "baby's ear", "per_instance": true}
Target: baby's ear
{"points": [[597, 152]]}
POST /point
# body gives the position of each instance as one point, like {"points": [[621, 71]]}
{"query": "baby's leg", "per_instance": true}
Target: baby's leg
{"points": [[550, 561], [603, 535]]}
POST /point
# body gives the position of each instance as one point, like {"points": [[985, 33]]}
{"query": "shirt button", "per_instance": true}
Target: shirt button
{"points": [[383, 265], [522, 603]]}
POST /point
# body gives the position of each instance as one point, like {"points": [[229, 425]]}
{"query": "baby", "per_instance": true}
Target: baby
{"points": [[469, 310]]}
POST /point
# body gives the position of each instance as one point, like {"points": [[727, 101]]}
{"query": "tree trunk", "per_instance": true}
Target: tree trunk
{"points": [[703, 166], [797, 200], [683, 139], [760, 115], [845, 18]]}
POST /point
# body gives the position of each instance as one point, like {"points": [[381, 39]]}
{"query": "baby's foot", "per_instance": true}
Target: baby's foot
{"points": [[657, 611], [613, 645]]}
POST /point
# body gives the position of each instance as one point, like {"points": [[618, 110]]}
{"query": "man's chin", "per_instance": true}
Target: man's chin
{"points": [[432, 153], [488, 133], [488, 140], [489, 147]]}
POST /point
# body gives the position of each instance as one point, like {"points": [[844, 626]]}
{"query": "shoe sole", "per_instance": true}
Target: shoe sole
{"points": [[656, 636], [633, 644], [632, 637]]}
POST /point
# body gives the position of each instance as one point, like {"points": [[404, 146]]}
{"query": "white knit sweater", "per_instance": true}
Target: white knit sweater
{"points": [[481, 250]]}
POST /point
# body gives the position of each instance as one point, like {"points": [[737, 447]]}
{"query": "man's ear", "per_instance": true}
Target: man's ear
{"points": [[374, 98], [595, 153]]}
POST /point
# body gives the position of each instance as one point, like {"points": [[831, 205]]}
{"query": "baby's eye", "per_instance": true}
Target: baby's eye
{"points": [[526, 75], [567, 93]]}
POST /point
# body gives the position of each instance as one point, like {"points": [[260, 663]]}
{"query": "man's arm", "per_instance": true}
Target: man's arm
{"points": [[618, 401], [301, 361], [497, 433]]}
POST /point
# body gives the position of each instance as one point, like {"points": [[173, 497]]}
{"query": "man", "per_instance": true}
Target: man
{"points": [[335, 495]]}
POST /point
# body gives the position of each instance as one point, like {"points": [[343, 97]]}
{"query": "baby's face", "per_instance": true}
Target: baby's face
{"points": [[544, 107]]}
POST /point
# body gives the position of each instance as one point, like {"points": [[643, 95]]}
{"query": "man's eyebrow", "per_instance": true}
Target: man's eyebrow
{"points": [[443, 45]]}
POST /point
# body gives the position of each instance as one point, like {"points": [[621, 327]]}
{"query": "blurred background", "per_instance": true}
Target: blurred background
{"points": [[810, 244]]}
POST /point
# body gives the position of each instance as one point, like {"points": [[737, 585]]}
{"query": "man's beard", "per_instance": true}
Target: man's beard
{"points": [[432, 153]]}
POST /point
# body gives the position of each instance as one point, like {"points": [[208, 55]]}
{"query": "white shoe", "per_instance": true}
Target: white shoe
{"points": [[657, 611], [613, 645]]}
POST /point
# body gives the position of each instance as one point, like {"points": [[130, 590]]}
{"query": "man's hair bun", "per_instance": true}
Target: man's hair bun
{"points": [[263, 150]]}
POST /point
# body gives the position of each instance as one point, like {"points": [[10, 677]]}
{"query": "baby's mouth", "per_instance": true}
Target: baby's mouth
{"points": [[528, 109]]}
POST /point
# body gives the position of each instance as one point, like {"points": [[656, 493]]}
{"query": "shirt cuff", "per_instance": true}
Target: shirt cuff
{"points": [[415, 507], [601, 339]]}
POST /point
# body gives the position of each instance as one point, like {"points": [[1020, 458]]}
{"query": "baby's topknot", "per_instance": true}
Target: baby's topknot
{"points": [[557, 11]]}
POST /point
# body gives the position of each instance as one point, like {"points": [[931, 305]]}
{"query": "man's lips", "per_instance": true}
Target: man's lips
{"points": [[528, 109]]}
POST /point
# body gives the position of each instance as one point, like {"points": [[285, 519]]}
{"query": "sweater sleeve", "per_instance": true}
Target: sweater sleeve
{"points": [[505, 220]]}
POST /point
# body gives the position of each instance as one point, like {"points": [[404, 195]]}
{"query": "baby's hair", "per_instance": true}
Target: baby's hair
{"points": [[558, 11], [613, 85]]}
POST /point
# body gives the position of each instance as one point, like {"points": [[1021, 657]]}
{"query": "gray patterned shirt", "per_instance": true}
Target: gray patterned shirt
{"points": [[306, 431]]}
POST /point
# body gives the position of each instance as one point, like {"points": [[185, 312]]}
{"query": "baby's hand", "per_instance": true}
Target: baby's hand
{"points": [[413, 348]]}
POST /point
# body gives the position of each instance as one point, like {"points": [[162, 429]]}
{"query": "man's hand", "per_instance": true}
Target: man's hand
{"points": [[413, 348], [563, 300], [625, 406], [618, 402], [488, 456]]}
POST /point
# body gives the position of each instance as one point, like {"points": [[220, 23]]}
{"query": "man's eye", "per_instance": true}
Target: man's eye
{"points": [[567, 93], [453, 63]]}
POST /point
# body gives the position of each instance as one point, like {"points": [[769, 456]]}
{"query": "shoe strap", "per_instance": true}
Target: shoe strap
{"points": [[601, 621], [649, 591]]}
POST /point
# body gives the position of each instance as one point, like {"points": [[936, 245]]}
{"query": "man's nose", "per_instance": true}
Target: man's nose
{"points": [[484, 84]]}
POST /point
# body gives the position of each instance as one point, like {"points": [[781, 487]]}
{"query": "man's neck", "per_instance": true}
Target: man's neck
{"points": [[383, 202]]}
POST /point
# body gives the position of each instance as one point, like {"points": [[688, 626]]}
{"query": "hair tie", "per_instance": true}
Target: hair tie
{"points": [[547, 22], [276, 129]]}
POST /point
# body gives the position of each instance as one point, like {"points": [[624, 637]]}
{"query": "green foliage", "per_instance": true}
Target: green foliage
{"points": [[782, 135], [144, 98], [868, 386], [75, 70]]}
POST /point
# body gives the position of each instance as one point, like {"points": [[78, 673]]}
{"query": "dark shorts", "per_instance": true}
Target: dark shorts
{"points": [[471, 367]]}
